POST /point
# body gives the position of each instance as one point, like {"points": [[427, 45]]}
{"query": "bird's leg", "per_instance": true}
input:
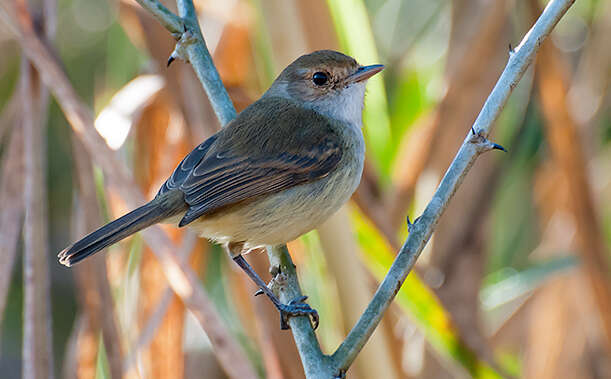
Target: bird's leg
{"points": [[295, 307]]}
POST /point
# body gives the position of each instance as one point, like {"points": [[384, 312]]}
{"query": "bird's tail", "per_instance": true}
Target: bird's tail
{"points": [[136, 220]]}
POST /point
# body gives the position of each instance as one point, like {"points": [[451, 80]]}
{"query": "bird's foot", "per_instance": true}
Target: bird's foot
{"points": [[297, 307]]}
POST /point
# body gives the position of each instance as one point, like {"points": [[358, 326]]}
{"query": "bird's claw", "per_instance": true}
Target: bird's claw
{"points": [[297, 307]]}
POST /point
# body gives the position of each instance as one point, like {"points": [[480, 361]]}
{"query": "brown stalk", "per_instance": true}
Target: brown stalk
{"points": [[37, 350], [557, 312], [180, 277], [11, 203], [565, 144], [37, 338], [93, 286]]}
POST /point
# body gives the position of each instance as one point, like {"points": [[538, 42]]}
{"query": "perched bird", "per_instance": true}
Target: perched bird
{"points": [[282, 167]]}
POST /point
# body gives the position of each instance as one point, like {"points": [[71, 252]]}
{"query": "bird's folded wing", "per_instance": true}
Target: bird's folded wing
{"points": [[222, 179]]}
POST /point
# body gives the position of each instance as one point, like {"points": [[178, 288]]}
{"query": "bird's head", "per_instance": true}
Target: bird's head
{"points": [[327, 81]]}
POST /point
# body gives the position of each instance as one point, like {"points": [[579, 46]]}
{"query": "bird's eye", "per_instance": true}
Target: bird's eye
{"points": [[320, 78]]}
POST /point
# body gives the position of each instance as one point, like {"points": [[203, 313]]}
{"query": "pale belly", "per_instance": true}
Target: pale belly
{"points": [[282, 217]]}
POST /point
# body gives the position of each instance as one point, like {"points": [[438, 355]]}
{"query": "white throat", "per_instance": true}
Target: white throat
{"points": [[345, 105]]}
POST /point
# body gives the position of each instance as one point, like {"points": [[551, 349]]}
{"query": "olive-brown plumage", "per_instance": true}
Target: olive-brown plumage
{"points": [[284, 165]]}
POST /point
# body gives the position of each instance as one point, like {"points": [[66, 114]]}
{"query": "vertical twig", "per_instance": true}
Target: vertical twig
{"points": [[565, 143], [37, 335], [37, 351]]}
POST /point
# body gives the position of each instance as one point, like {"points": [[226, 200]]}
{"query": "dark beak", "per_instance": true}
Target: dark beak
{"points": [[365, 72]]}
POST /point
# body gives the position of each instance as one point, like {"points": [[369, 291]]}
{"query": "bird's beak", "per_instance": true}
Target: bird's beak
{"points": [[365, 72]]}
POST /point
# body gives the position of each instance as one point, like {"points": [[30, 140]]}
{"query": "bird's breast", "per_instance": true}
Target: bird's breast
{"points": [[278, 218]]}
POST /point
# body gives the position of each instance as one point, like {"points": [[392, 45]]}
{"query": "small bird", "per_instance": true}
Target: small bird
{"points": [[279, 169]]}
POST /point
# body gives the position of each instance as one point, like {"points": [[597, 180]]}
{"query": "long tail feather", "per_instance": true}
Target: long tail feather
{"points": [[136, 220]]}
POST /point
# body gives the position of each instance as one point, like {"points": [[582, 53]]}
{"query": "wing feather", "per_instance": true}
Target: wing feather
{"points": [[241, 163], [244, 179]]}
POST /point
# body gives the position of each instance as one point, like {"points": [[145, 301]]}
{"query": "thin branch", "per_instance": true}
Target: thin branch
{"points": [[196, 52], [168, 19], [201, 61], [472, 147], [180, 277]]}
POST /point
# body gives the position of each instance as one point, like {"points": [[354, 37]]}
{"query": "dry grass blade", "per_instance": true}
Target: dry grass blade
{"points": [[157, 315], [11, 203], [564, 140], [37, 350], [180, 277], [94, 289]]}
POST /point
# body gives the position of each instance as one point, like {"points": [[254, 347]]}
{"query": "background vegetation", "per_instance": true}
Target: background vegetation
{"points": [[513, 283]]}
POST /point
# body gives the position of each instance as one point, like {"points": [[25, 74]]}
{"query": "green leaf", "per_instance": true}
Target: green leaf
{"points": [[511, 284], [135, 255], [419, 302], [356, 39], [102, 368]]}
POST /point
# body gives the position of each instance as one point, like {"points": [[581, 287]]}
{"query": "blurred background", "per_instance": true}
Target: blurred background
{"points": [[515, 281]]}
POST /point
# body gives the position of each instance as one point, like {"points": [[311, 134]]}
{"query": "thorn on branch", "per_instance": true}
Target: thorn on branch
{"points": [[511, 50], [483, 144], [410, 225], [496, 146], [171, 59], [186, 38]]}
